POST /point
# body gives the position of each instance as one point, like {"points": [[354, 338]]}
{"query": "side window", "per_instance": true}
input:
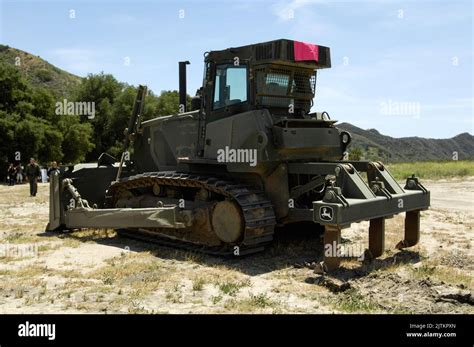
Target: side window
{"points": [[230, 86]]}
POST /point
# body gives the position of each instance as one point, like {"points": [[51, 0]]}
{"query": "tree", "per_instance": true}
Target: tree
{"points": [[97, 88], [7, 136], [51, 147], [77, 139], [43, 105], [13, 88], [30, 127], [103, 90], [29, 135], [168, 103], [355, 153]]}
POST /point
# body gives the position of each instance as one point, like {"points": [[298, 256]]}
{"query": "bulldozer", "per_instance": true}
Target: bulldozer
{"points": [[248, 156]]}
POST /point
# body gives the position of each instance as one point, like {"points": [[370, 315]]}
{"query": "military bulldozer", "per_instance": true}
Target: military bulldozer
{"points": [[249, 155]]}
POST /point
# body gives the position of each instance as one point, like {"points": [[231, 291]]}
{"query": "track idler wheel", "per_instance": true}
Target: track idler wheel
{"points": [[227, 221]]}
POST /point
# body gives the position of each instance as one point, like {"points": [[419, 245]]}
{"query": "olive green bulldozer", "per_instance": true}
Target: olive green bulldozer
{"points": [[247, 157]]}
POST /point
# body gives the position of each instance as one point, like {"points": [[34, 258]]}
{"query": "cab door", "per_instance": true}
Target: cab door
{"points": [[230, 92]]}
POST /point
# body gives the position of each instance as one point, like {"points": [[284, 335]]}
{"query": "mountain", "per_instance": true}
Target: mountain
{"points": [[376, 145], [39, 72]]}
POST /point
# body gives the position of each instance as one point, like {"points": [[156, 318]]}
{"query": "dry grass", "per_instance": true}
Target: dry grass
{"points": [[150, 279], [432, 269], [253, 303], [432, 169]]}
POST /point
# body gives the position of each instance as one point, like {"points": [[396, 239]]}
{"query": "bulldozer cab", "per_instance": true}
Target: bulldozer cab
{"points": [[278, 75]]}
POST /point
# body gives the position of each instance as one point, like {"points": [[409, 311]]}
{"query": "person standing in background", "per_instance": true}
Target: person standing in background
{"points": [[11, 175], [32, 172], [19, 173], [54, 167]]}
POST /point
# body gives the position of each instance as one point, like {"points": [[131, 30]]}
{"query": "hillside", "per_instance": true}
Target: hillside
{"points": [[376, 145], [39, 72]]}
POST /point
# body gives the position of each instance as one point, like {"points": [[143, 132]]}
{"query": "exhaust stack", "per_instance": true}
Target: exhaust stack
{"points": [[182, 86]]}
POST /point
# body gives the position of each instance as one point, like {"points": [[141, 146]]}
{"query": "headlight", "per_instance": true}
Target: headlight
{"points": [[345, 137]]}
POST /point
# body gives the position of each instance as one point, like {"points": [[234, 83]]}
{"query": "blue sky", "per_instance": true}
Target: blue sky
{"points": [[402, 67]]}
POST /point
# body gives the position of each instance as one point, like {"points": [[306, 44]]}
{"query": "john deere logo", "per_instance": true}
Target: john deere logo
{"points": [[326, 213]]}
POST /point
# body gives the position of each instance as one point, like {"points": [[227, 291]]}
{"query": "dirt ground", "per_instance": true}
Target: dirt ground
{"points": [[95, 271]]}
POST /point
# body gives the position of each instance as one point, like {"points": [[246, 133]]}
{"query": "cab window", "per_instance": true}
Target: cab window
{"points": [[230, 86]]}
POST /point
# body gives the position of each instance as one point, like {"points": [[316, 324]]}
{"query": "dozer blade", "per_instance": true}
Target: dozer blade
{"points": [[56, 215], [80, 215], [115, 218]]}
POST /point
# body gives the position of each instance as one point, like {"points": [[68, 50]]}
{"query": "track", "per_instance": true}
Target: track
{"points": [[257, 211]]}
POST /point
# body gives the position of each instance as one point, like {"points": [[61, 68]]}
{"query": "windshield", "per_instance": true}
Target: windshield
{"points": [[230, 85], [283, 88]]}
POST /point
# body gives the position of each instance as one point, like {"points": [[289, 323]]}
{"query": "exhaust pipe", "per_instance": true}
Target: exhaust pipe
{"points": [[182, 86]]}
